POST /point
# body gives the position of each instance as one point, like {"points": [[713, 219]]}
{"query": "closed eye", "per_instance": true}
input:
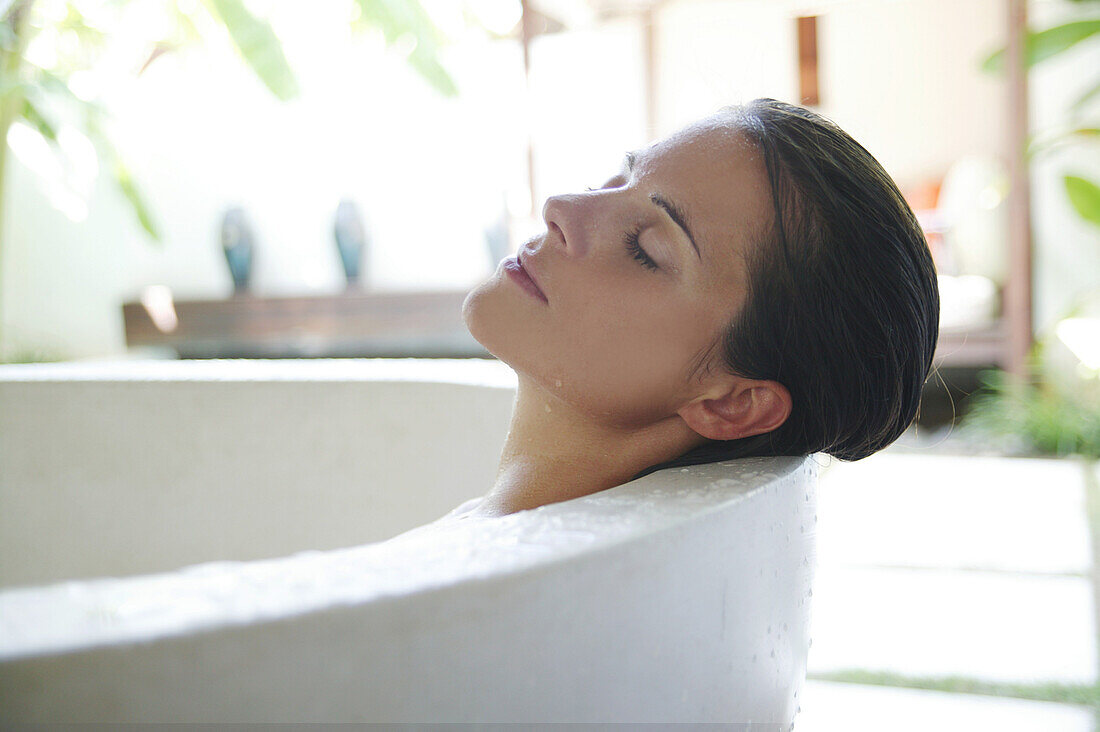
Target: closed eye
{"points": [[635, 248]]}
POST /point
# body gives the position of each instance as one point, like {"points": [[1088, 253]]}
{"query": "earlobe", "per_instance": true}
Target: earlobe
{"points": [[750, 408]]}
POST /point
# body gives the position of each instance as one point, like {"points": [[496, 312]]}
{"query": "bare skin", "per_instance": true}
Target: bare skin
{"points": [[619, 367]]}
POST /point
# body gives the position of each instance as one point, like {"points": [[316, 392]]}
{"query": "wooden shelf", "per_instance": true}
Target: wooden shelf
{"points": [[351, 325]]}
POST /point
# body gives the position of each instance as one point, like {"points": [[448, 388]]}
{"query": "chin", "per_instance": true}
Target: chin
{"points": [[483, 312]]}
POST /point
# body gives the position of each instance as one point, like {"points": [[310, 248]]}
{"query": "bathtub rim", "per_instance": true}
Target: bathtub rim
{"points": [[653, 513], [488, 372]]}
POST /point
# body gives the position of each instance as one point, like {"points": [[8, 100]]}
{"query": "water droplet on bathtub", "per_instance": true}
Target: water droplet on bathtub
{"points": [[769, 628], [777, 573], [784, 626], [684, 470], [557, 382], [754, 658], [810, 593], [773, 654], [802, 528], [810, 643], [788, 538]]}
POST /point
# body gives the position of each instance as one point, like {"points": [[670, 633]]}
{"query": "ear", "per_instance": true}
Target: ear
{"points": [[749, 408]]}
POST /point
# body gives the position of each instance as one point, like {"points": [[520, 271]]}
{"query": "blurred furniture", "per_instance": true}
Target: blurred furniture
{"points": [[972, 347], [347, 325], [973, 330]]}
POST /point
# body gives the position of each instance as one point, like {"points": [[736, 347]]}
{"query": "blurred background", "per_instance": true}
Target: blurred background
{"points": [[222, 179]]}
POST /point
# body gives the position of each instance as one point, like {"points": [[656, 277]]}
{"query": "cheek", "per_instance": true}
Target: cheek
{"points": [[630, 359]]}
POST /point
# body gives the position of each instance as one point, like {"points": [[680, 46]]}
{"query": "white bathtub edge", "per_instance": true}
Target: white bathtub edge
{"points": [[74, 616]]}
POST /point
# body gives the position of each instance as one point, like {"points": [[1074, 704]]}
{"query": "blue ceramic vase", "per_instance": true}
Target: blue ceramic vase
{"points": [[237, 243]]}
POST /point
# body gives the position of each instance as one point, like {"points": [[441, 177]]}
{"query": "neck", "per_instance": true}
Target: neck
{"points": [[555, 453]]}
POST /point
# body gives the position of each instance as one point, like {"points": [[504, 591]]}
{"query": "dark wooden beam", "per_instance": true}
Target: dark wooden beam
{"points": [[649, 28], [527, 33], [808, 87], [1017, 291]]}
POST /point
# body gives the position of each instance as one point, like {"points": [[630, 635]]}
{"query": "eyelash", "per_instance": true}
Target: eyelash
{"points": [[632, 245], [636, 251]]}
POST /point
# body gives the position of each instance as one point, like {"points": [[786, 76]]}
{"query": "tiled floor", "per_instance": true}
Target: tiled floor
{"points": [[938, 566]]}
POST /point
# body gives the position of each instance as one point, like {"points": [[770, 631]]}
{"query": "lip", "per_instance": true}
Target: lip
{"points": [[523, 276]]}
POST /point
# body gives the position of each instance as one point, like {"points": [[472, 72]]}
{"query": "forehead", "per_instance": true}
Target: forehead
{"points": [[715, 173]]}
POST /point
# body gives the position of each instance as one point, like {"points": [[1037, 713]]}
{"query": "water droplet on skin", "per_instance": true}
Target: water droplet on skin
{"points": [[547, 407]]}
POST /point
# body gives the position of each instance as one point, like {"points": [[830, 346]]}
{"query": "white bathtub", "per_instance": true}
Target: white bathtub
{"points": [[683, 596]]}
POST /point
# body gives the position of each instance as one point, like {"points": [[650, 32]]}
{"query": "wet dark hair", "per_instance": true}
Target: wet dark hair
{"points": [[842, 305]]}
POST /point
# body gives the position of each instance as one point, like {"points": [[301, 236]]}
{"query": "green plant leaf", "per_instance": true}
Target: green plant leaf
{"points": [[428, 66], [1051, 420], [121, 173], [38, 121], [8, 88], [7, 36], [129, 189], [1085, 197], [1037, 145], [1041, 45], [396, 18], [1085, 98], [258, 45]]}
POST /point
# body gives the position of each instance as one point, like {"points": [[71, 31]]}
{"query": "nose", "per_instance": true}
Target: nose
{"points": [[567, 220]]}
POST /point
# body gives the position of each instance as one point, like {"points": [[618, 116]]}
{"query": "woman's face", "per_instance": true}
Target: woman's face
{"points": [[640, 276]]}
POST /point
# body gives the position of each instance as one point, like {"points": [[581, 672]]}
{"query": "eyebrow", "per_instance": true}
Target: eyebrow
{"points": [[674, 212]]}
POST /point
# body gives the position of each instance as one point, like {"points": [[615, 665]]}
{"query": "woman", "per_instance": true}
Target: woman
{"points": [[754, 284]]}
